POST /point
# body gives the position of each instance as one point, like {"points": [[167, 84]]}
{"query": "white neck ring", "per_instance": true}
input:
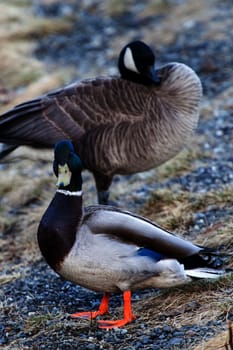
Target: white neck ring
{"points": [[70, 193]]}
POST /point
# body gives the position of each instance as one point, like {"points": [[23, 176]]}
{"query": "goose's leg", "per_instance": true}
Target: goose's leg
{"points": [[103, 197], [103, 309], [128, 314], [103, 183]]}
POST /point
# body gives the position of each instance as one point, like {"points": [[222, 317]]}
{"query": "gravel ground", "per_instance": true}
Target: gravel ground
{"points": [[55, 298], [35, 305]]}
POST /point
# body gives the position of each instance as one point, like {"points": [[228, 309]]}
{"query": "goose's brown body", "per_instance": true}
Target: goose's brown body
{"points": [[117, 126]]}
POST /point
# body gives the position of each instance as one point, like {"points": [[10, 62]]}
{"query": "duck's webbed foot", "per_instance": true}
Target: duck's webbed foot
{"points": [[91, 315], [128, 315], [103, 309], [108, 324]]}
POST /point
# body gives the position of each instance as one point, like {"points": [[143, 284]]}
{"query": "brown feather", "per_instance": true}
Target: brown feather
{"points": [[117, 126]]}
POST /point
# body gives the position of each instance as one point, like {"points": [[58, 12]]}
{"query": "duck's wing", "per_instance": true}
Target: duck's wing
{"points": [[132, 229], [69, 112]]}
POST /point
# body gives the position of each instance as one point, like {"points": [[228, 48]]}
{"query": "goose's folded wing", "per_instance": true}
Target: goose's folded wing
{"points": [[68, 113], [40, 122], [132, 229]]}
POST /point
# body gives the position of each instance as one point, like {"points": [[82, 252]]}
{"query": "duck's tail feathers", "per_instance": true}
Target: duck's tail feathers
{"points": [[205, 272], [205, 258]]}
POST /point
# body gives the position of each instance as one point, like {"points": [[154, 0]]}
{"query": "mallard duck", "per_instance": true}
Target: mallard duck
{"points": [[142, 118], [110, 250]]}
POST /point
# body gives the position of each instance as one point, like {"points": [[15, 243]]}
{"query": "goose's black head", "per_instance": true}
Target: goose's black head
{"points": [[136, 63], [67, 166]]}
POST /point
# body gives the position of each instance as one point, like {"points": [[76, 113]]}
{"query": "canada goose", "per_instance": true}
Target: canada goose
{"points": [[119, 125], [109, 250]]}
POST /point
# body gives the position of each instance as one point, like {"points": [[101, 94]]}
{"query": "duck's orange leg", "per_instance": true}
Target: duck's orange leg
{"points": [[128, 314], [103, 309]]}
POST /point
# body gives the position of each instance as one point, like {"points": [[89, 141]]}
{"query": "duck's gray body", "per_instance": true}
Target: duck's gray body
{"points": [[109, 250], [102, 261]]}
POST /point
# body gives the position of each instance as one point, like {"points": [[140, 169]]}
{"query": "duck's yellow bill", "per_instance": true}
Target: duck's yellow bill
{"points": [[64, 175]]}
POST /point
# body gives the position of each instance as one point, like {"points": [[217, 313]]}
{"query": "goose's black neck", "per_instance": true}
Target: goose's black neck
{"points": [[59, 225], [136, 63]]}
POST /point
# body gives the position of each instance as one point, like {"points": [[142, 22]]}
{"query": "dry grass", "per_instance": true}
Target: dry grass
{"points": [[17, 65], [167, 206], [184, 162], [25, 196], [120, 7], [25, 193], [116, 7], [184, 305], [22, 188], [37, 321], [9, 277], [197, 303], [20, 23]]}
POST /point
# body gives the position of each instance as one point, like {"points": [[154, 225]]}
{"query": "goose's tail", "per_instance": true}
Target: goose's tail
{"points": [[5, 149], [40, 123]]}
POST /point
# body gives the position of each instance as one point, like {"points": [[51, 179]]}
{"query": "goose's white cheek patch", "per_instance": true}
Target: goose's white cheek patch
{"points": [[129, 61]]}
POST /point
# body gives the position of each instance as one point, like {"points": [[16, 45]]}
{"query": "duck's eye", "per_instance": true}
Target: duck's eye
{"points": [[63, 169], [66, 169]]}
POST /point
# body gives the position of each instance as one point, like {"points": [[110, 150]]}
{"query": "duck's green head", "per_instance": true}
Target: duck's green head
{"points": [[67, 166]]}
